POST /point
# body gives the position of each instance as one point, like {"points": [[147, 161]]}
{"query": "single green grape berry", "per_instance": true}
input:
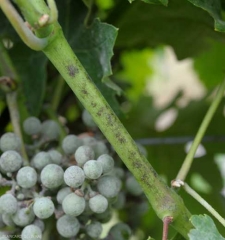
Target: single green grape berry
{"points": [[31, 232], [88, 120], [50, 130], [107, 163], [89, 141], [98, 203], [52, 176], [55, 156], [105, 216], [73, 205], [32, 126], [41, 159], [62, 193], [39, 223], [133, 187], [2, 224], [70, 144], [109, 186], [68, 226], [74, 176], [43, 207], [26, 177], [10, 161], [92, 169], [23, 217], [100, 148], [8, 204], [7, 219], [83, 154], [120, 231], [94, 229], [120, 201], [10, 141]]}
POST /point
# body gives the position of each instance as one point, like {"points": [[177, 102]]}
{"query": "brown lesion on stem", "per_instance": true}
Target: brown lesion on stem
{"points": [[7, 84], [166, 222]]}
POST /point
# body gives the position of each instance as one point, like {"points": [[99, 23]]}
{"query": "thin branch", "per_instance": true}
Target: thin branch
{"points": [[166, 223], [21, 28], [205, 123], [205, 204]]}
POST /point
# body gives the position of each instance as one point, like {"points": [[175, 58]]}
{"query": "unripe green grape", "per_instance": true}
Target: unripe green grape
{"points": [[10, 161], [2, 224], [32, 126], [89, 141], [62, 193], [41, 159], [109, 186], [74, 176], [120, 231], [105, 216], [68, 226], [94, 229], [39, 223], [23, 217], [10, 141], [120, 201], [107, 162], [88, 120], [3, 236], [92, 169], [55, 156], [133, 187], [43, 207], [70, 144], [73, 205], [31, 232], [100, 148], [118, 172], [7, 219], [50, 130], [8, 204], [83, 154], [52, 176], [98, 203], [26, 177]]}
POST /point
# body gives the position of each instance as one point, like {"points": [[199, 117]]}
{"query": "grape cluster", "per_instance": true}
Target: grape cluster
{"points": [[76, 184]]}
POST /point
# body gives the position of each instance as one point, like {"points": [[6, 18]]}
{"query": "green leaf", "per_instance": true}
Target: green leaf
{"points": [[204, 229], [31, 67], [213, 7], [210, 65], [185, 27]]}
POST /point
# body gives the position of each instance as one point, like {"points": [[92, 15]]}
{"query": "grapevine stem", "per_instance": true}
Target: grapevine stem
{"points": [[205, 204], [205, 123], [11, 99]]}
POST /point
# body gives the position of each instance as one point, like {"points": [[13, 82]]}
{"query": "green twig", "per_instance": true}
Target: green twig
{"points": [[205, 123], [197, 197], [11, 99]]}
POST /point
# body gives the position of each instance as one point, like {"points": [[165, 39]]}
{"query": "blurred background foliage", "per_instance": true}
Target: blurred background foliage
{"points": [[167, 64]]}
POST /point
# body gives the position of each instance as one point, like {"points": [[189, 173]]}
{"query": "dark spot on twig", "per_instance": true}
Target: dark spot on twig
{"points": [[72, 70], [93, 104], [99, 113]]}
